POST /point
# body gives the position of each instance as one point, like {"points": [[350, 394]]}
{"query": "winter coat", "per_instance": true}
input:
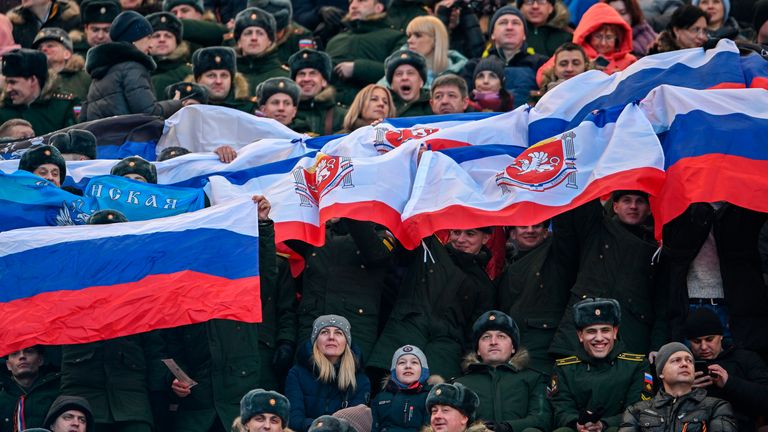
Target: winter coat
{"points": [[64, 14], [222, 356], [735, 230], [367, 44], [48, 113], [603, 386], [546, 38], [322, 111], [73, 78], [346, 276], [519, 72], [596, 16], [116, 376], [509, 393], [442, 293], [535, 289], [418, 107], [397, 409], [643, 38], [311, 398], [257, 69], [204, 33], [693, 412], [614, 262], [37, 399], [170, 69], [121, 84]]}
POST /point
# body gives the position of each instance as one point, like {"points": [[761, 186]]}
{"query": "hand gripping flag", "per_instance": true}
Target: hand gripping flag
{"points": [[70, 285]]}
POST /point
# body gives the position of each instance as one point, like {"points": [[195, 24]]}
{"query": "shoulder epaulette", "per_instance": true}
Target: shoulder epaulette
{"points": [[284, 255], [286, 68], [228, 36], [64, 96], [567, 361], [254, 99], [632, 357]]}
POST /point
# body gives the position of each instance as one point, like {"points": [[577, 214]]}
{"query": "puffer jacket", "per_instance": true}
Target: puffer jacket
{"points": [[310, 398], [693, 412], [398, 409], [121, 84]]}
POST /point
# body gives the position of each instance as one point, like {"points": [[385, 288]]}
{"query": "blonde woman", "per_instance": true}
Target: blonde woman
{"points": [[328, 376], [427, 36], [372, 103]]}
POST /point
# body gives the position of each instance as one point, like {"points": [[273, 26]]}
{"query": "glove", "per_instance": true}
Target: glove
{"points": [[282, 360], [331, 16], [498, 426]]}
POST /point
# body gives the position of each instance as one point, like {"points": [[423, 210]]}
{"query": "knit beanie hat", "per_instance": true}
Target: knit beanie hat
{"points": [[493, 64], [337, 321], [507, 10], [359, 417], [129, 26], [666, 352], [415, 351], [65, 403], [702, 322]]}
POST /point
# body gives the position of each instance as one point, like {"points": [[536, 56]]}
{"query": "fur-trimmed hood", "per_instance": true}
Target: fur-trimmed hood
{"points": [[68, 9], [181, 52], [77, 36], [477, 426], [74, 64], [561, 17], [239, 85], [518, 362], [101, 58]]}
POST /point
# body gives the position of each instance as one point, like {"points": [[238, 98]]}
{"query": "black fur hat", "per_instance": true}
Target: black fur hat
{"points": [[52, 34], [266, 89], [136, 165], [496, 320], [282, 10], [103, 217], [76, 141], [210, 58], [311, 59], [261, 401], [171, 152], [168, 22], [405, 56], [99, 11], [25, 63], [328, 423], [170, 4], [46, 154], [454, 395], [591, 311], [255, 17], [188, 90]]}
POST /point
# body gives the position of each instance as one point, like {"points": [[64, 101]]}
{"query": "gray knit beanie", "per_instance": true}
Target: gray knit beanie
{"points": [[666, 352], [332, 321], [410, 349]]}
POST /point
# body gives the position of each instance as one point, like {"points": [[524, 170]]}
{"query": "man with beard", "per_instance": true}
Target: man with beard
{"points": [[406, 74]]}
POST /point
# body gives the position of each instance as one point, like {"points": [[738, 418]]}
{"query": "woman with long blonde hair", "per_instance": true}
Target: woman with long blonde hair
{"points": [[372, 103], [328, 376]]}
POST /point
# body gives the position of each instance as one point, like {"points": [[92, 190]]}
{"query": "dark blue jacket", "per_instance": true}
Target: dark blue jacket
{"points": [[400, 410], [311, 398]]}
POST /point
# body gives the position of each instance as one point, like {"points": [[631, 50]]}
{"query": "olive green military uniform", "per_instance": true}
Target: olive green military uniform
{"points": [[171, 69], [50, 112], [202, 33], [509, 393], [73, 79], [418, 107], [322, 113], [258, 69], [602, 386], [222, 356], [367, 44], [289, 43], [238, 97], [346, 276], [37, 399]]}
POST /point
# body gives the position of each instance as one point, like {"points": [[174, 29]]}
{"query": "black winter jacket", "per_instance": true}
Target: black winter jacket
{"points": [[693, 412]]}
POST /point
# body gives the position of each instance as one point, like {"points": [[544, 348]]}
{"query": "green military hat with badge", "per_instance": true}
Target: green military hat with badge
{"points": [[99, 11], [168, 22], [109, 216], [255, 17], [311, 59], [52, 34], [213, 58], [135, 165], [260, 401], [281, 10], [454, 395], [591, 311], [170, 4], [75, 141], [187, 90], [47, 154], [272, 86]]}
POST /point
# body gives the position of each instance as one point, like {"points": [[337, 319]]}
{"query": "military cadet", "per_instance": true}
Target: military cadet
{"points": [[593, 388], [678, 406], [448, 95], [262, 410], [406, 73], [135, 168], [29, 93], [170, 52], [171, 152], [512, 397], [317, 104], [200, 26], [96, 17], [215, 68], [74, 144], [439, 298], [453, 408], [278, 98], [359, 53], [188, 91], [70, 414], [257, 56], [28, 392], [71, 76], [535, 286], [221, 355], [29, 17], [290, 36], [46, 162]]}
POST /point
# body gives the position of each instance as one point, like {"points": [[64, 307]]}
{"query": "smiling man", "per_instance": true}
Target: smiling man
{"points": [[406, 74], [452, 408], [318, 108], [278, 99], [590, 390]]}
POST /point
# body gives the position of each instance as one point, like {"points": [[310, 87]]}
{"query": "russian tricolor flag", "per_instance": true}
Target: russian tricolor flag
{"points": [[69, 285]]}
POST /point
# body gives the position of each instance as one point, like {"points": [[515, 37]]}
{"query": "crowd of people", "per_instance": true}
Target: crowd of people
{"points": [[588, 324]]}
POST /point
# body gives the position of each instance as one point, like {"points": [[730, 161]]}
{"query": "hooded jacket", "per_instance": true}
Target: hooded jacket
{"points": [[396, 409], [593, 19]]}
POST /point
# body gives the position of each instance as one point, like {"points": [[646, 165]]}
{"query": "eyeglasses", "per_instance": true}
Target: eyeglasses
{"points": [[604, 37], [538, 2], [697, 30]]}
